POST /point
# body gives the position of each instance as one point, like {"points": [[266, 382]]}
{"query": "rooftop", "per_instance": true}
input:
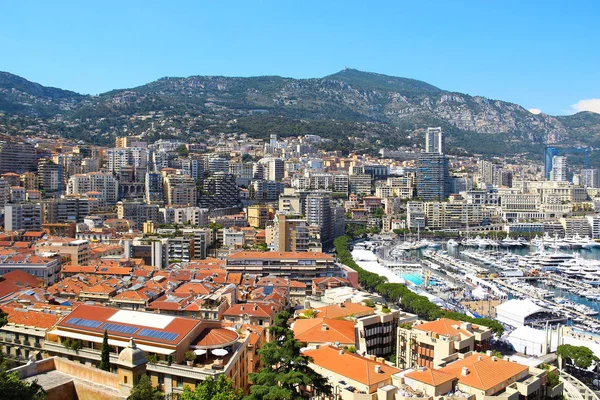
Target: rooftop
{"points": [[324, 330], [484, 372], [142, 326], [352, 366]]}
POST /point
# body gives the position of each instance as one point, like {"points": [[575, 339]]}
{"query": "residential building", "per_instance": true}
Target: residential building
{"points": [[76, 250], [590, 178], [219, 191], [432, 176], [68, 209], [153, 187], [433, 344], [44, 268], [259, 215], [180, 190], [559, 169], [137, 212], [354, 377], [16, 156], [301, 266], [25, 216], [164, 339]]}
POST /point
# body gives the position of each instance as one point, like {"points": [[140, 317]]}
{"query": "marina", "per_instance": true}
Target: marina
{"points": [[564, 281]]}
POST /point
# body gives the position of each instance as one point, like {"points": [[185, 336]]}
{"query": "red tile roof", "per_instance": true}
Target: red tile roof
{"points": [[212, 338], [485, 372], [352, 366], [324, 330]]}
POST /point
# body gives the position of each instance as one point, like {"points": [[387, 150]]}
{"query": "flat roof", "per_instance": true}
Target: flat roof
{"points": [[142, 326]]}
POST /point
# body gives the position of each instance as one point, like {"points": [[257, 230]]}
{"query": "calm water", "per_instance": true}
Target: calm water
{"points": [[593, 254]]}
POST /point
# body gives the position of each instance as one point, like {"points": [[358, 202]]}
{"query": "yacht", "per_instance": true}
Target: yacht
{"points": [[451, 243]]}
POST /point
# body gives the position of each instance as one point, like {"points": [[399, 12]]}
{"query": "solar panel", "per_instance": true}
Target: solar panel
{"points": [[158, 334], [120, 328], [88, 323]]}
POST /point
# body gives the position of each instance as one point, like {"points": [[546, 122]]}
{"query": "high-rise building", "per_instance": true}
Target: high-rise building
{"points": [[216, 164], [258, 215], [180, 190], [487, 171], [137, 212], [590, 178], [16, 156], [559, 169], [432, 176], [319, 213], [153, 187], [272, 169], [434, 141], [50, 177], [116, 159], [4, 192], [292, 234], [68, 209], [26, 216], [192, 167], [549, 154], [220, 191], [102, 182]]}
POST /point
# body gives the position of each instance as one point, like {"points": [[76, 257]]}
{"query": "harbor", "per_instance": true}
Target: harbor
{"points": [[563, 281]]}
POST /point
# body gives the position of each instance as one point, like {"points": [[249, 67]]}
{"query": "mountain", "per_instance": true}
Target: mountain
{"points": [[351, 107]]}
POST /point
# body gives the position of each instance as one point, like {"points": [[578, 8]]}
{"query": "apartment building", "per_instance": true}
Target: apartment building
{"points": [[300, 266], [76, 250], [25, 216], [433, 344], [164, 339]]}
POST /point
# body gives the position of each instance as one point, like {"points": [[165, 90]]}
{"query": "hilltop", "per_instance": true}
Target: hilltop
{"points": [[363, 106]]}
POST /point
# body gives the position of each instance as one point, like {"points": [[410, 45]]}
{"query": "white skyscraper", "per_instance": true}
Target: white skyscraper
{"points": [[559, 169], [434, 140]]}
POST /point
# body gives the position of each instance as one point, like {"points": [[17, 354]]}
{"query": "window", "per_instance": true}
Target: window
{"points": [[125, 379]]}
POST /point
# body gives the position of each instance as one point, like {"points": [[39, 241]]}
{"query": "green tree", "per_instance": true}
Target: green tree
{"points": [[182, 150], [13, 388], [105, 353], [262, 247], [379, 212], [286, 374], [143, 390], [580, 356], [212, 389]]}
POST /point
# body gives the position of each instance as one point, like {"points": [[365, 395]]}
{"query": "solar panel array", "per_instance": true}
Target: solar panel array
{"points": [[158, 334], [120, 328], [88, 323]]}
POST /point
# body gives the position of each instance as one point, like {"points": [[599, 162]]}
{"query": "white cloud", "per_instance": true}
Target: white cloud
{"points": [[535, 111], [592, 105]]}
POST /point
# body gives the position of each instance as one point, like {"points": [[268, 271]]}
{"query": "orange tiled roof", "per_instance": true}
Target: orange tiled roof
{"points": [[352, 366], [211, 338], [484, 372], [31, 318], [433, 377], [324, 330], [347, 309], [22, 278], [264, 310], [194, 288], [443, 326]]}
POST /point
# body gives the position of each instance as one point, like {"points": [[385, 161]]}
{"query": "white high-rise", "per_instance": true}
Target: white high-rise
{"points": [[434, 140], [559, 169]]}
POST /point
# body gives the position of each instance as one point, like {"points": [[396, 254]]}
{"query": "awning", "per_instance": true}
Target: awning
{"points": [[112, 342]]}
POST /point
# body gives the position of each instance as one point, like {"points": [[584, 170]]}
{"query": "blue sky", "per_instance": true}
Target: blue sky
{"points": [[540, 54]]}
